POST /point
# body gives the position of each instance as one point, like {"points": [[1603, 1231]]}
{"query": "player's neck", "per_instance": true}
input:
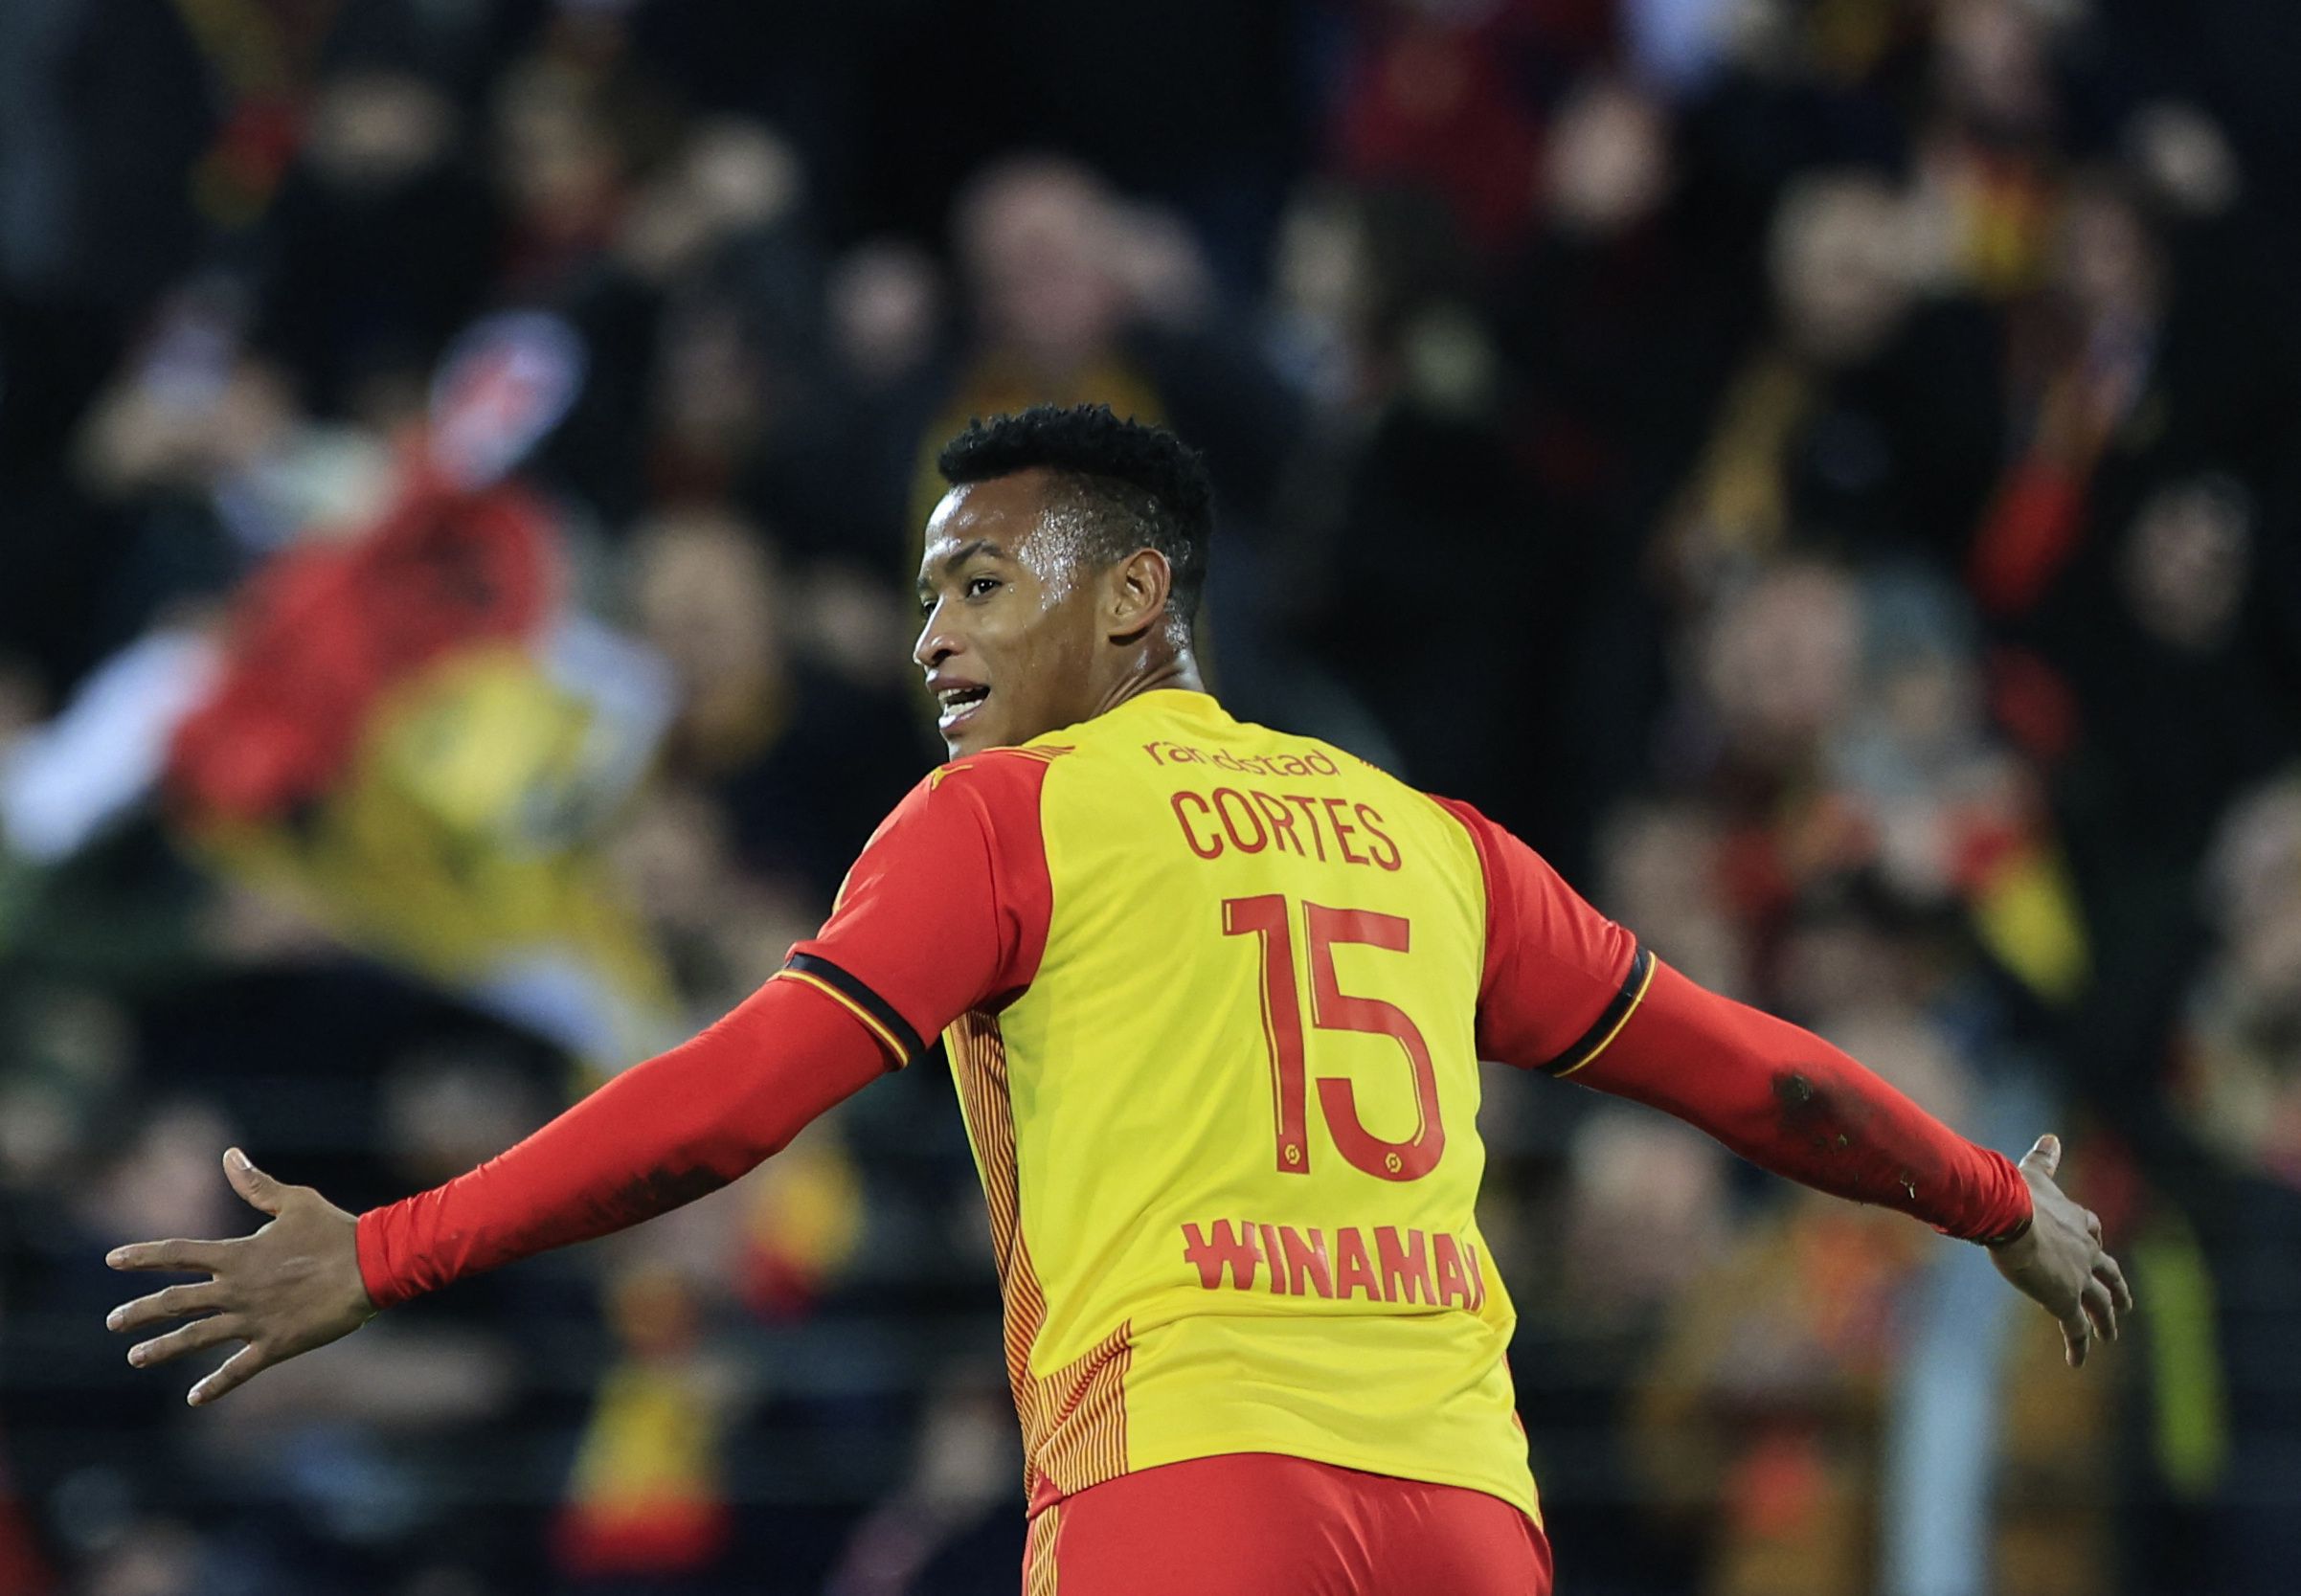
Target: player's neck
{"points": [[1169, 668]]}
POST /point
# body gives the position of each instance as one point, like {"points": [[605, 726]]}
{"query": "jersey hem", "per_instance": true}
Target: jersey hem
{"points": [[1529, 1502]]}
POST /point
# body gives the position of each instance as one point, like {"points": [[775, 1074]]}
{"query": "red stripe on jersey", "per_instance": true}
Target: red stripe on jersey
{"points": [[1074, 1419]]}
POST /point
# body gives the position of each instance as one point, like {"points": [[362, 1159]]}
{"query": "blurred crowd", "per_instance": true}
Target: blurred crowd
{"points": [[1824, 471]]}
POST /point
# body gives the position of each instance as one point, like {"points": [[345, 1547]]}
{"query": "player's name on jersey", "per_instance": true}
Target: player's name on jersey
{"points": [[1234, 820], [1397, 1265], [1314, 762]]}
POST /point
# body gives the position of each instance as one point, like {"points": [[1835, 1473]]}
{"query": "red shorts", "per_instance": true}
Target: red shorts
{"points": [[1258, 1524]]}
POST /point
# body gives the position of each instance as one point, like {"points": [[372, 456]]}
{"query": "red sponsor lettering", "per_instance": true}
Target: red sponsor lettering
{"points": [[1306, 1261], [1406, 1271], [1227, 1249], [1451, 1281], [1352, 1268], [1400, 1265], [1279, 1285], [1312, 763]]}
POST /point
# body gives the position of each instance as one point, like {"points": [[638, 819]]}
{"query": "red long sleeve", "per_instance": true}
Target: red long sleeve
{"points": [[1569, 992], [1790, 1102], [659, 1134], [945, 909]]}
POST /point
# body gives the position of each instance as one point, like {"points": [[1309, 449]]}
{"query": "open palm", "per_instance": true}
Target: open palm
{"points": [[292, 1286]]}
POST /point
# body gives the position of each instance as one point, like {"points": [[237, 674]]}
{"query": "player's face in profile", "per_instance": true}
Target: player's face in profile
{"points": [[1009, 640]]}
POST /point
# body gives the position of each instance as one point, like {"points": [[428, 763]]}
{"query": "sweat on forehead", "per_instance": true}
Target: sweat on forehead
{"points": [[1065, 534], [1045, 520]]}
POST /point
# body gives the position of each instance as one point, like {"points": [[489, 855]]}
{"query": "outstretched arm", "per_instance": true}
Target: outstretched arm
{"points": [[945, 911], [1790, 1102], [658, 1135], [654, 1139], [1567, 992]]}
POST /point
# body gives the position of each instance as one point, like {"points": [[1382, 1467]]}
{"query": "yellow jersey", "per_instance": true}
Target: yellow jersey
{"points": [[1214, 998]]}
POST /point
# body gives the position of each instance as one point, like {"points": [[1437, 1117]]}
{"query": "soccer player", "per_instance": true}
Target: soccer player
{"points": [[1213, 997]]}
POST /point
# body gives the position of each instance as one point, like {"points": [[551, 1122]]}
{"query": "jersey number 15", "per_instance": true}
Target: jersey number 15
{"points": [[1270, 919]]}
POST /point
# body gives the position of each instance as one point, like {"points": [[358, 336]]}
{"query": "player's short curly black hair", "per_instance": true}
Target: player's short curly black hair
{"points": [[1141, 486]]}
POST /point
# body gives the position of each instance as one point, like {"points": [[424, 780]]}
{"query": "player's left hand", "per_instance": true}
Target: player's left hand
{"points": [[2059, 1261], [292, 1286]]}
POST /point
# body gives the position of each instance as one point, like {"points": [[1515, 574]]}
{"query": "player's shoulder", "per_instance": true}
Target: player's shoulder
{"points": [[1002, 783], [1026, 765], [994, 795]]}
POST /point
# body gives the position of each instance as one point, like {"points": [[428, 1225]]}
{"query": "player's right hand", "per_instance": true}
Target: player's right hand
{"points": [[292, 1286], [2059, 1260]]}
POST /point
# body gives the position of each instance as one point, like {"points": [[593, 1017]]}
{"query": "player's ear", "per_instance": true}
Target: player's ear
{"points": [[1140, 586]]}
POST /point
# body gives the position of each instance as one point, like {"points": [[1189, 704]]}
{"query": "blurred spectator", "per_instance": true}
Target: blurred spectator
{"points": [[1075, 295], [2225, 1221], [1856, 419], [2239, 1072], [1987, 151], [795, 754], [385, 233]]}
